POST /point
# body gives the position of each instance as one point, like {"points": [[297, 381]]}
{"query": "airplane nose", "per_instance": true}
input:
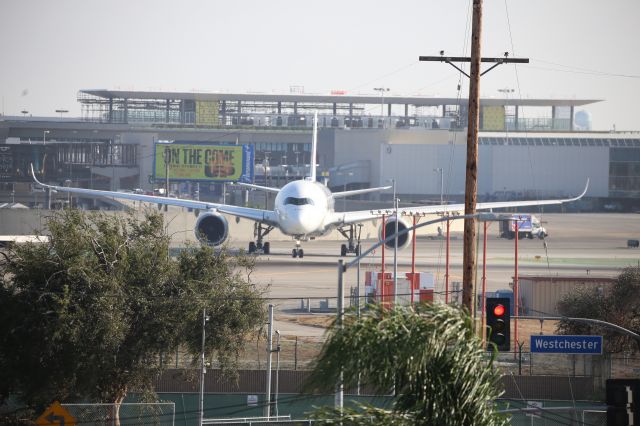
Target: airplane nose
{"points": [[303, 220]]}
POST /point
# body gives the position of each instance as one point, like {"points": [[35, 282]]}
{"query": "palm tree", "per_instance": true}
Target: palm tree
{"points": [[428, 357]]}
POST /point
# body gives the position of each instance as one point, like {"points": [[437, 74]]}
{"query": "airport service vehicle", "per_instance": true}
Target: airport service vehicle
{"points": [[303, 209], [528, 226]]}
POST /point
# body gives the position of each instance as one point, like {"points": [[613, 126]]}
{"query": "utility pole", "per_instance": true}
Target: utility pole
{"points": [[471, 180]]}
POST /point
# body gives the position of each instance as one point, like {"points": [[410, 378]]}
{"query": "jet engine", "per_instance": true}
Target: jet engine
{"points": [[390, 229], [211, 228]]}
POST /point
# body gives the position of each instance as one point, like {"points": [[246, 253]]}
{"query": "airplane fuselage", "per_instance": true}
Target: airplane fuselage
{"points": [[303, 208]]}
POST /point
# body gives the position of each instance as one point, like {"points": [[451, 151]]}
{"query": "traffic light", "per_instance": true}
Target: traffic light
{"points": [[498, 322], [623, 405]]}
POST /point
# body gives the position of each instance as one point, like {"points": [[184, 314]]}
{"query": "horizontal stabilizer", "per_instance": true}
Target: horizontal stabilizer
{"points": [[359, 191], [263, 188]]}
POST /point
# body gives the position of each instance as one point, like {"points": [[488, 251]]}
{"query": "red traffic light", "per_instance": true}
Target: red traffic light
{"points": [[498, 310], [498, 317]]}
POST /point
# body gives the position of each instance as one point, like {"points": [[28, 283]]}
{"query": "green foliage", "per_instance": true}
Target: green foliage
{"points": [[619, 305], [89, 314], [429, 356], [364, 414]]}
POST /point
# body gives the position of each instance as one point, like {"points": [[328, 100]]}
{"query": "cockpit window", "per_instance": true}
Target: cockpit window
{"points": [[298, 201]]}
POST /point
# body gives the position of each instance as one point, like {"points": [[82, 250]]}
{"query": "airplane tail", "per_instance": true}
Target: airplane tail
{"points": [[314, 147]]}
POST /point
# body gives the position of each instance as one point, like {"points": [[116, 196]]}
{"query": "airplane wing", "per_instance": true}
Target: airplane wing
{"points": [[358, 191], [266, 216], [346, 218]]}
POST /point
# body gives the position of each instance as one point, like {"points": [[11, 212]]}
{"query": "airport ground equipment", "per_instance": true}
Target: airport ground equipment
{"points": [[529, 226]]}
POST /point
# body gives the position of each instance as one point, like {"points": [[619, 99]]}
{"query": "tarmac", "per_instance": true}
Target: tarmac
{"points": [[578, 245]]}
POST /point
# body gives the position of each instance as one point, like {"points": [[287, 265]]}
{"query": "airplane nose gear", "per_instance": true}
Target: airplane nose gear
{"points": [[260, 230], [297, 252], [353, 245]]}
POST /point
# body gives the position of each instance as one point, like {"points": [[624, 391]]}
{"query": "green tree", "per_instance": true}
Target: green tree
{"points": [[428, 355], [90, 314], [618, 305]]}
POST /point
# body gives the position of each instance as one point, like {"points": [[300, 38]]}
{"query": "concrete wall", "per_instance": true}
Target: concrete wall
{"points": [[392, 153], [410, 156], [554, 171]]}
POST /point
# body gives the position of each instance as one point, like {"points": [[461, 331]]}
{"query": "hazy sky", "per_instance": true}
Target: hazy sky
{"points": [[586, 49]]}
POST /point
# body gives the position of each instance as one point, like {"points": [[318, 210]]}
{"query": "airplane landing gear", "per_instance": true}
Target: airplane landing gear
{"points": [[353, 245], [297, 251], [344, 249], [260, 230]]}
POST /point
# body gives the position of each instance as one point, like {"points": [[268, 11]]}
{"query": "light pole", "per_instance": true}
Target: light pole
{"points": [[381, 90], [344, 186], [439, 170], [360, 225], [265, 165], [267, 403], [275, 397], [297, 164], [506, 92], [283, 166], [224, 192], [395, 246], [112, 147], [166, 155], [203, 367], [344, 199], [44, 136]]}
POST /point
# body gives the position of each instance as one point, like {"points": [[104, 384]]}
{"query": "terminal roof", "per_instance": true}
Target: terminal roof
{"points": [[331, 98]]}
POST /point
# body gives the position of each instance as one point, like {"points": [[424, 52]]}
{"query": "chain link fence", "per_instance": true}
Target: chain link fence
{"points": [[130, 414], [299, 353]]}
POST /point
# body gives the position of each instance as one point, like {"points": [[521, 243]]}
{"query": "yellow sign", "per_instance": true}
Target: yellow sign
{"points": [[493, 118], [207, 113], [199, 162], [56, 415]]}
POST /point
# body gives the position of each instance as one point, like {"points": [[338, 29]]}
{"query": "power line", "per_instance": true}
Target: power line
{"points": [[581, 70]]}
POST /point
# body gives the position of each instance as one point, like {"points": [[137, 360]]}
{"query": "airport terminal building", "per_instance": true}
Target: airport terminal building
{"points": [[528, 148]]}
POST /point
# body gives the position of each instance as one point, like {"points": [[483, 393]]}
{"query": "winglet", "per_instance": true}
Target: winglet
{"points": [[33, 173], [586, 188]]}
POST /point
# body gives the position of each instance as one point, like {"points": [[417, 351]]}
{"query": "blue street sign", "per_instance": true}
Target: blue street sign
{"points": [[567, 344]]}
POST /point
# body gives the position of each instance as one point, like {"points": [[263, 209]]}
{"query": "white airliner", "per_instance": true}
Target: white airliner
{"points": [[303, 209]]}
